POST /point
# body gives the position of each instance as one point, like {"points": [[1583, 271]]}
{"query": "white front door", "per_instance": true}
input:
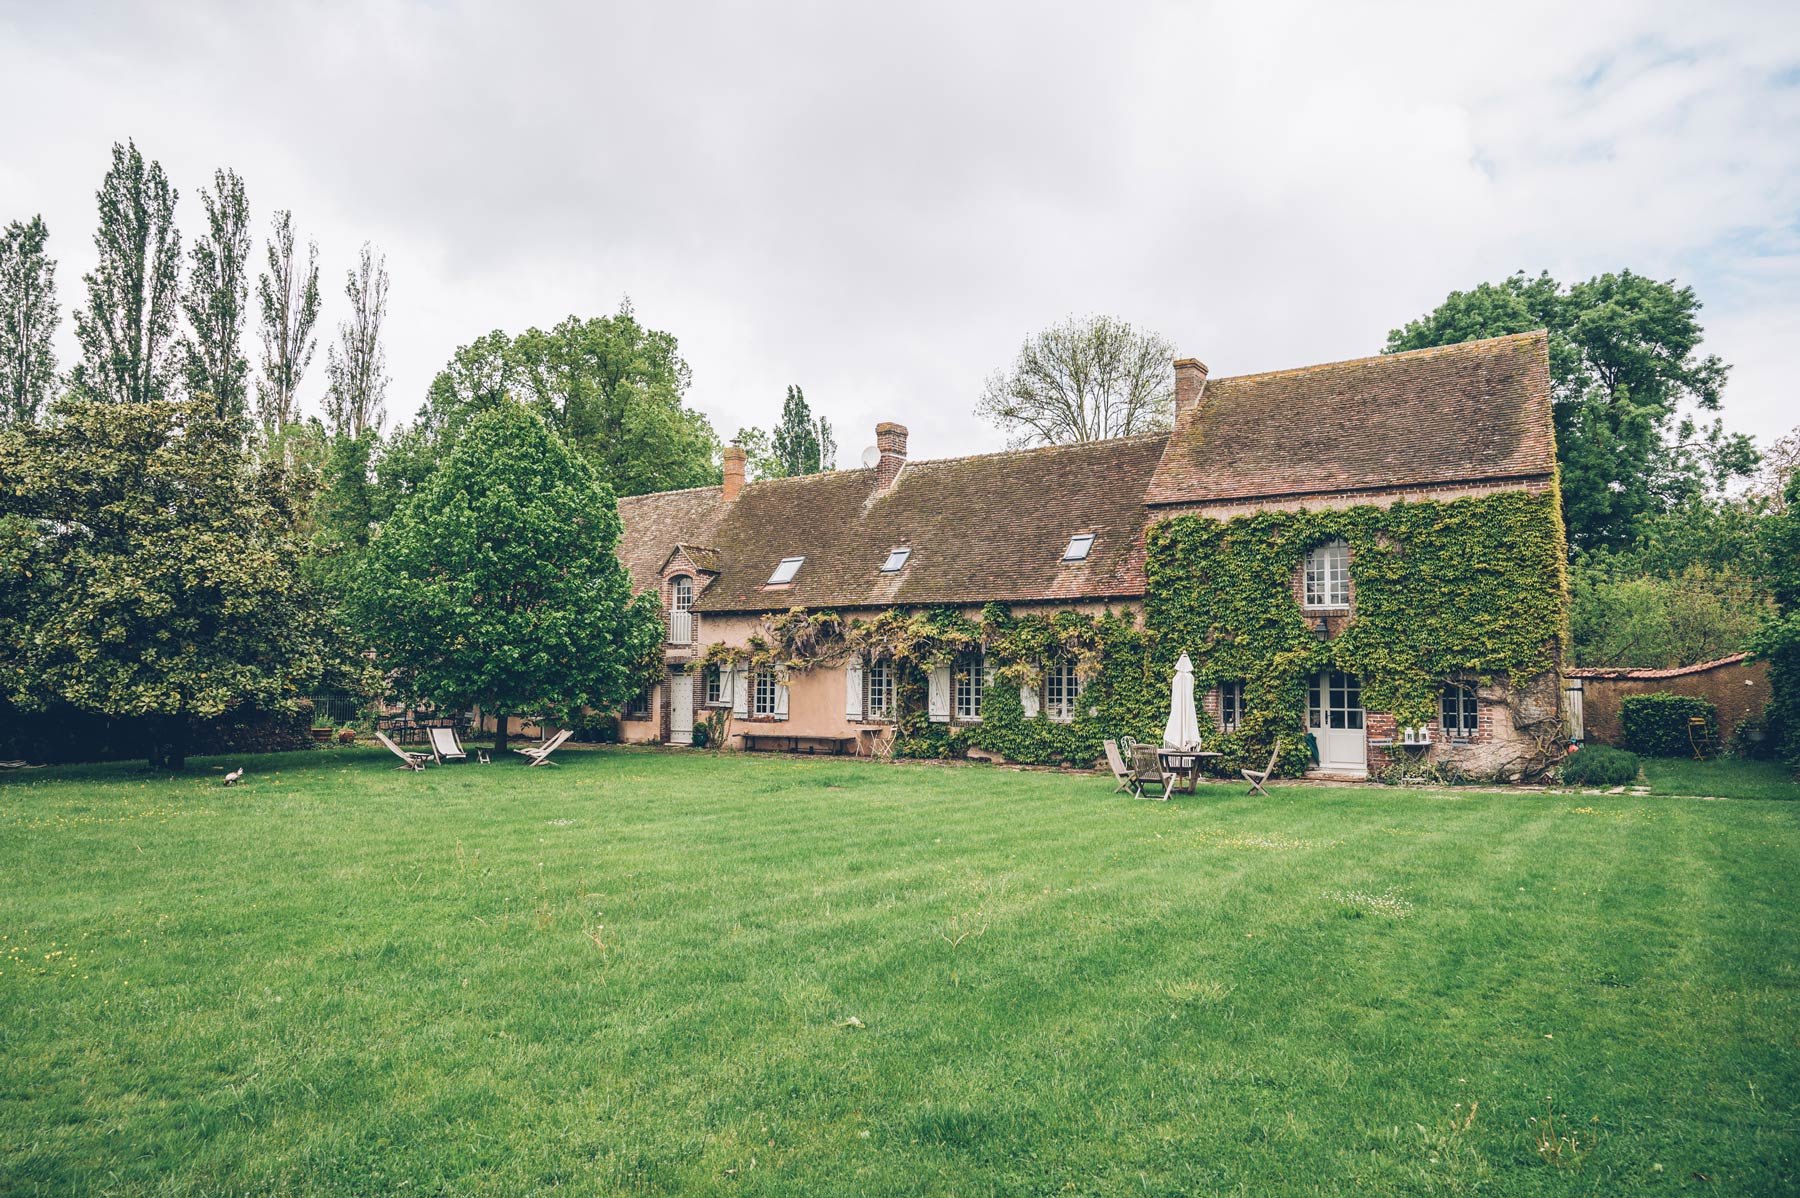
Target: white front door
{"points": [[1334, 716], [681, 708]]}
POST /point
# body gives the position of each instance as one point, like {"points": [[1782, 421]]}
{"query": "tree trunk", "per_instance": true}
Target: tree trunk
{"points": [[500, 723]]}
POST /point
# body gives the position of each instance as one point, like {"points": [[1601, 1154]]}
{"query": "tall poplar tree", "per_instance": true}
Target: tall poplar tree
{"points": [[127, 328], [218, 283], [289, 294], [356, 368], [802, 445], [28, 316]]}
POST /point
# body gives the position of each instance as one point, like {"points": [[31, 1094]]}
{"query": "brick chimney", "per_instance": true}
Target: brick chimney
{"points": [[734, 471], [890, 439], [1190, 383]]}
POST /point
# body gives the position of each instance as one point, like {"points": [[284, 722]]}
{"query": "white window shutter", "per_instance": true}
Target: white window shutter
{"points": [[740, 692], [853, 689], [780, 699], [937, 694], [1028, 699]]}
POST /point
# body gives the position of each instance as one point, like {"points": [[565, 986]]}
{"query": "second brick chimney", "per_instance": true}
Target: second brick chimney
{"points": [[734, 471], [890, 439], [1190, 383]]}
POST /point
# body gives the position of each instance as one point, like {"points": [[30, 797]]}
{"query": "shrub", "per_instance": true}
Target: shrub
{"points": [[595, 729], [1599, 765], [1657, 725]]}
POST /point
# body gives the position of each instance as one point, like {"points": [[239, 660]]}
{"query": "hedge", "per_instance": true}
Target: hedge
{"points": [[1657, 725], [1599, 765]]}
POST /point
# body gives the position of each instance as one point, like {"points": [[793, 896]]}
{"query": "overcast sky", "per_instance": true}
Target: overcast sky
{"points": [[880, 202]]}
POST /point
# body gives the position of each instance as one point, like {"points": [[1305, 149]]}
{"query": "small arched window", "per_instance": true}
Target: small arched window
{"points": [[1328, 575], [681, 593]]}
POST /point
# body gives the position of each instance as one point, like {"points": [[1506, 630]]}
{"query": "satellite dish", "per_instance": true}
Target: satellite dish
{"points": [[871, 456]]}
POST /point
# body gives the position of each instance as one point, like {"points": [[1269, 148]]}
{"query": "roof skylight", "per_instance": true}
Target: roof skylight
{"points": [[785, 572], [896, 559], [1079, 544]]}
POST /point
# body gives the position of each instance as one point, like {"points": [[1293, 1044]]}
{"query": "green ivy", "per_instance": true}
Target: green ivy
{"points": [[1471, 589]]}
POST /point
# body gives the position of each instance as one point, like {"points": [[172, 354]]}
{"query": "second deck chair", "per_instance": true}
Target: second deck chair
{"points": [[445, 746], [540, 754], [1147, 772], [1120, 771], [409, 760], [1256, 778]]}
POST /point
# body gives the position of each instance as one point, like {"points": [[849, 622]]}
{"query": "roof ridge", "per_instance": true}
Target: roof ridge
{"points": [[794, 478], [1022, 450], [672, 491], [1656, 672], [1427, 351]]}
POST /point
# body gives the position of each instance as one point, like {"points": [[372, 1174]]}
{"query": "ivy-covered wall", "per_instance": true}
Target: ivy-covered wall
{"points": [[1472, 589]]}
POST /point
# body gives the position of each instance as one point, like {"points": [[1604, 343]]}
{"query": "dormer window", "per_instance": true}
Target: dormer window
{"points": [[896, 560], [1079, 545], [1328, 575], [785, 572]]}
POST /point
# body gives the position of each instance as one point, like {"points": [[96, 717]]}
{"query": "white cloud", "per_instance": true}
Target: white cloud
{"points": [[880, 204]]}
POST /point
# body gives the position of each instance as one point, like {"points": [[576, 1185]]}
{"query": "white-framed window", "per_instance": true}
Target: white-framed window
{"points": [[878, 690], [966, 685], [896, 560], [1231, 706], [718, 694], [762, 693], [1080, 545], [639, 706], [1061, 689], [1457, 709], [681, 616], [785, 571], [1328, 575]]}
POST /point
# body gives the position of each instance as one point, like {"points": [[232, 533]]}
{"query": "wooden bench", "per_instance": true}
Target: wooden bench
{"points": [[784, 743]]}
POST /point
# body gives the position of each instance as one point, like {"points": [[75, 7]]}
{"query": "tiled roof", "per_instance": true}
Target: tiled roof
{"points": [[1638, 673], [1457, 413], [992, 527], [656, 524]]}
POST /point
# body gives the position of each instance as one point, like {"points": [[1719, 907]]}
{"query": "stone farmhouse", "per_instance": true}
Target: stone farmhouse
{"points": [[1363, 559]]}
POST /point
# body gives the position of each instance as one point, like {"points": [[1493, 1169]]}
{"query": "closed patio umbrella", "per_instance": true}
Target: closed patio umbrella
{"points": [[1183, 729]]}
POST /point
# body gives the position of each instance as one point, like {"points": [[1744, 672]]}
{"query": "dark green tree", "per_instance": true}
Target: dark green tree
{"points": [[161, 578], [498, 584], [28, 317], [289, 297], [479, 377], [127, 327], [1778, 640], [218, 286], [802, 445], [1623, 363]]}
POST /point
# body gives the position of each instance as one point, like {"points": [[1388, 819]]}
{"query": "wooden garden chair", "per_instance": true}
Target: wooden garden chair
{"points": [[1147, 771], [1256, 778], [1120, 771], [409, 760], [444, 745], [540, 754]]}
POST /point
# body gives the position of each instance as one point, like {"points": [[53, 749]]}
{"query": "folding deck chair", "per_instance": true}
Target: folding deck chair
{"points": [[540, 754], [1147, 771], [409, 760], [1120, 771], [444, 745]]}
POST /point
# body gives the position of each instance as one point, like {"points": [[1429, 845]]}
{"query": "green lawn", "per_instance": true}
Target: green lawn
{"points": [[1725, 778], [655, 973]]}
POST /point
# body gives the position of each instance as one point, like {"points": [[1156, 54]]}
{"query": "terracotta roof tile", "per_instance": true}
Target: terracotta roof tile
{"points": [[1639, 672], [1456, 413], [656, 524]]}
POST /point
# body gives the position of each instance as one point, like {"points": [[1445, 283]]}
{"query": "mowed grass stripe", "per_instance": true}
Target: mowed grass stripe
{"points": [[634, 975]]}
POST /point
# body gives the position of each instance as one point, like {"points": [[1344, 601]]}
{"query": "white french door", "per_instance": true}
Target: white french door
{"points": [[681, 707], [1334, 716]]}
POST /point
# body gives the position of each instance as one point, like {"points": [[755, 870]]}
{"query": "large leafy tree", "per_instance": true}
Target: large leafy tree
{"points": [[288, 294], [127, 327], [498, 583], [218, 286], [1778, 640], [1083, 380], [610, 387], [1631, 391], [28, 316], [158, 570], [356, 367]]}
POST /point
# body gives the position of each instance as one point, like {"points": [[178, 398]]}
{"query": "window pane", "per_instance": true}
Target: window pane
{"points": [[896, 558], [1079, 545], [786, 570]]}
